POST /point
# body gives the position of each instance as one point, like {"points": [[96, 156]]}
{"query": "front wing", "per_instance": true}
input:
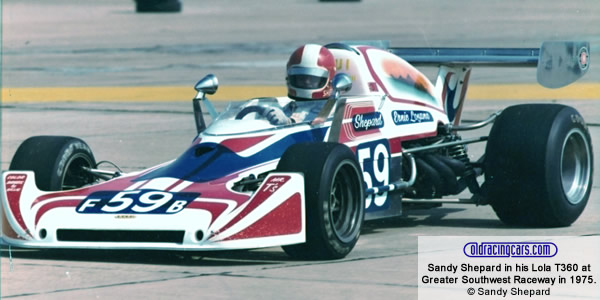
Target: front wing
{"points": [[274, 215]]}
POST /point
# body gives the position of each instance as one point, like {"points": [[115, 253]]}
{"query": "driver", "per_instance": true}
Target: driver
{"points": [[310, 71]]}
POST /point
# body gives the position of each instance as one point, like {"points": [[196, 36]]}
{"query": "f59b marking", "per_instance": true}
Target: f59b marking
{"points": [[135, 202]]}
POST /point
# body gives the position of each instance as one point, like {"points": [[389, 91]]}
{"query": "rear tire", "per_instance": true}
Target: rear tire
{"points": [[334, 195], [57, 162], [539, 165]]}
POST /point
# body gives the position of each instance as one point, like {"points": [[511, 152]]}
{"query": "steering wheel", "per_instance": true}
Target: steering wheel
{"points": [[261, 110]]}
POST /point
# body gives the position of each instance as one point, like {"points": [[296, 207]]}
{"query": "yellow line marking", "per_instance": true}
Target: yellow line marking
{"points": [[579, 91], [137, 93]]}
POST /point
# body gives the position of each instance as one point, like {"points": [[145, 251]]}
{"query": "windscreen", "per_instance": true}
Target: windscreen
{"points": [[249, 116]]}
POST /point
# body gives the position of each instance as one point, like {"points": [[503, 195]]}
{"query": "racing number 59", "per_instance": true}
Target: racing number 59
{"points": [[151, 200], [135, 202], [373, 158]]}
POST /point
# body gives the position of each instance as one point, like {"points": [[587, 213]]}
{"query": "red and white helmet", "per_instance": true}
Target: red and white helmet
{"points": [[310, 71]]}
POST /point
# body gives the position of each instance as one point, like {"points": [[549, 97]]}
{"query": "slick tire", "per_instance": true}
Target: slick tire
{"points": [[539, 165], [57, 162], [334, 198]]}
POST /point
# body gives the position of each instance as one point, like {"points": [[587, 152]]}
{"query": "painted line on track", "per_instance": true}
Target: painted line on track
{"points": [[579, 91], [132, 93]]}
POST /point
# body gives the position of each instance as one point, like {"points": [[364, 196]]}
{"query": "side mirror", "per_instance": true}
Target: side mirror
{"points": [[342, 83], [207, 85]]}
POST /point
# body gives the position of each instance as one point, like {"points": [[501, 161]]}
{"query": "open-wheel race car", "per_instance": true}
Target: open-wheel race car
{"points": [[384, 138]]}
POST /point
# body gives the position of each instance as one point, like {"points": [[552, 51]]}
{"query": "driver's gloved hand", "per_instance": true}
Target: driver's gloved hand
{"points": [[277, 117]]}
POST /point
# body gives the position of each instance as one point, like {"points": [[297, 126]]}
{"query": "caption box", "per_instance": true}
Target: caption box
{"points": [[505, 267]]}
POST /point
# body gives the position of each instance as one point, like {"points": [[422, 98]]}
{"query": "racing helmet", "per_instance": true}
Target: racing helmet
{"points": [[310, 71]]}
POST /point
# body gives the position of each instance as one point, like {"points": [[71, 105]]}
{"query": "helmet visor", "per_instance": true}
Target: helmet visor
{"points": [[307, 78]]}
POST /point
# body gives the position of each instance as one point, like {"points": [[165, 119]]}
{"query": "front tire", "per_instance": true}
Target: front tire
{"points": [[539, 165], [57, 162], [334, 198]]}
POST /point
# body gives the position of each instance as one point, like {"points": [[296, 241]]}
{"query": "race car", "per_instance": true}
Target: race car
{"points": [[385, 139]]}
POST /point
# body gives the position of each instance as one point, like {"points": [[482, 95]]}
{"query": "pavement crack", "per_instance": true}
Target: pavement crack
{"points": [[321, 280], [357, 259], [112, 285]]}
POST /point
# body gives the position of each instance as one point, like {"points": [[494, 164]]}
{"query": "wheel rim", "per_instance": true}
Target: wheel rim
{"points": [[575, 166], [74, 175], [344, 202]]}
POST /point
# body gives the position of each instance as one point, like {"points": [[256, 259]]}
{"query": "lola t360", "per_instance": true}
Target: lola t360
{"points": [[387, 137]]}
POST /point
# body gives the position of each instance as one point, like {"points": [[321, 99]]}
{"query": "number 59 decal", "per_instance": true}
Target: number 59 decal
{"points": [[373, 158], [135, 202]]}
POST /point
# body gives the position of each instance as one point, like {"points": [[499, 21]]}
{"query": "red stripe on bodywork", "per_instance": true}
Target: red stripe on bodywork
{"points": [[214, 208], [241, 144], [7, 229], [446, 87], [395, 145], [358, 108], [14, 186], [113, 185], [267, 189], [217, 189], [349, 133], [172, 186], [52, 205], [283, 220]]}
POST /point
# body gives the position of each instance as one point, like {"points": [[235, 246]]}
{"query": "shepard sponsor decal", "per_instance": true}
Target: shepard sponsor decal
{"points": [[403, 117], [135, 202], [368, 121]]}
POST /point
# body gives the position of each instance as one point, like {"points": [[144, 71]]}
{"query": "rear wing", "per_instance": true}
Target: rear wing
{"points": [[558, 63]]}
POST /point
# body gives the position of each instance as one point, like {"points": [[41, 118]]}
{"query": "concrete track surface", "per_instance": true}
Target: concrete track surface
{"points": [[104, 43]]}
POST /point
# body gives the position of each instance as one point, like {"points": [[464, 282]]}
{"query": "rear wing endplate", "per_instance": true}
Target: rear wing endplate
{"points": [[558, 63]]}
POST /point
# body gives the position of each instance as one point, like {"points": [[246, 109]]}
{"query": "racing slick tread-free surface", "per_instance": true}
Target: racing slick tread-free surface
{"points": [[51, 157], [330, 171], [523, 165]]}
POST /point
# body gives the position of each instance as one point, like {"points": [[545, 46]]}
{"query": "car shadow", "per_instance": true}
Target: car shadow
{"points": [[437, 217], [270, 256]]}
